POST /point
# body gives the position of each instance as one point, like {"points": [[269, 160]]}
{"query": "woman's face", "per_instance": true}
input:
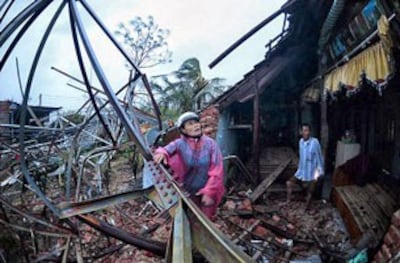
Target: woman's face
{"points": [[192, 128]]}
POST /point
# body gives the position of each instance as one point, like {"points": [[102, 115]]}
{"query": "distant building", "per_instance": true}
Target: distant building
{"points": [[10, 114]]}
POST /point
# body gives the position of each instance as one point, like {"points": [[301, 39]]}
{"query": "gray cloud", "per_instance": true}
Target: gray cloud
{"points": [[200, 29]]}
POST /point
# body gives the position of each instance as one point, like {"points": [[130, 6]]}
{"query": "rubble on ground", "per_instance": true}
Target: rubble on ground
{"points": [[275, 230]]}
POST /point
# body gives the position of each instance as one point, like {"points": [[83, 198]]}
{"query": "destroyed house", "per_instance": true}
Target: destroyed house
{"points": [[335, 67], [78, 196], [10, 115], [11, 111]]}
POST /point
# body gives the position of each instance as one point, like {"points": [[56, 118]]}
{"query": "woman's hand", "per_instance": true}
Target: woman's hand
{"points": [[160, 158], [206, 200]]}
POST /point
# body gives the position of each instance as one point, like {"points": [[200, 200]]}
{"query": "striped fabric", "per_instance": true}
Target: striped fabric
{"points": [[310, 159]]}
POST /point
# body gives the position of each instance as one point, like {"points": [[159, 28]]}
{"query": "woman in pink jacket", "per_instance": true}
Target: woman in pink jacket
{"points": [[197, 163]]}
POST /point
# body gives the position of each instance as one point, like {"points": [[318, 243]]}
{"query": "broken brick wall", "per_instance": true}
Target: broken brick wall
{"points": [[209, 119]]}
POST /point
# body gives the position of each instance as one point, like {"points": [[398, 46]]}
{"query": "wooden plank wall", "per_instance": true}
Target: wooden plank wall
{"points": [[364, 209]]}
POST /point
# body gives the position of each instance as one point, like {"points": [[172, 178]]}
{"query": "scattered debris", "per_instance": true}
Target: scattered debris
{"points": [[285, 232], [269, 180]]}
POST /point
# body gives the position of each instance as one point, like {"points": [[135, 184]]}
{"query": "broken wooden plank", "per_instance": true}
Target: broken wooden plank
{"points": [[383, 199], [361, 209], [269, 180], [245, 233], [352, 226]]}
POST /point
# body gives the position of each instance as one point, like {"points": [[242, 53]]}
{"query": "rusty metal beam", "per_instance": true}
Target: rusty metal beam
{"points": [[211, 242], [182, 241], [133, 134], [30, 230], [153, 246], [24, 105], [206, 237], [10, 28], [69, 209], [30, 217], [190, 223], [128, 58]]}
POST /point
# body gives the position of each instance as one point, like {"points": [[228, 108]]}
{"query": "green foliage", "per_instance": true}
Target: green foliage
{"points": [[145, 41], [185, 89]]}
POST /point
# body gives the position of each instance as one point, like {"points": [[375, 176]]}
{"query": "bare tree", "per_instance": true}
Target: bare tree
{"points": [[146, 41]]}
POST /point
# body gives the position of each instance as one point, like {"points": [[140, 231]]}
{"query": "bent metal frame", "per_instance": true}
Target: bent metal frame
{"points": [[116, 118]]}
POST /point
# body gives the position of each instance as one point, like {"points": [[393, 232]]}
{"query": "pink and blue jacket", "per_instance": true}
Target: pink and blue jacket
{"points": [[198, 165]]}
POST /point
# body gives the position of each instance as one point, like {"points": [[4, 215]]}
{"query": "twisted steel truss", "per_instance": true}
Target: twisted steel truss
{"points": [[65, 150]]}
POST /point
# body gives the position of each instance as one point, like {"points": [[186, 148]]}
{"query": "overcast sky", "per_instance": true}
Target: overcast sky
{"points": [[201, 29]]}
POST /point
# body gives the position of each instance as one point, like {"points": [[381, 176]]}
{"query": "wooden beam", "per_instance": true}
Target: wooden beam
{"points": [[268, 181], [324, 128], [324, 124], [256, 133], [245, 233]]}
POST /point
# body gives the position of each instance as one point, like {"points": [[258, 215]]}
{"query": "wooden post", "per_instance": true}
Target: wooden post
{"points": [[324, 122], [299, 120], [324, 119], [256, 129]]}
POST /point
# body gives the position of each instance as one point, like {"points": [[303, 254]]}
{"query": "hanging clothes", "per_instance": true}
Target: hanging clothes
{"points": [[373, 61]]}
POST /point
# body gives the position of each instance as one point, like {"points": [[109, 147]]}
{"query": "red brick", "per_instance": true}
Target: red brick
{"points": [[245, 205], [386, 252], [396, 218], [261, 231], [395, 233]]}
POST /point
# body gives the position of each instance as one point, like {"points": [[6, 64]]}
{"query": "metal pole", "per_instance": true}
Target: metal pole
{"points": [[86, 79], [6, 10], [131, 62], [19, 35], [140, 242], [245, 37], [134, 135], [21, 17], [24, 105]]}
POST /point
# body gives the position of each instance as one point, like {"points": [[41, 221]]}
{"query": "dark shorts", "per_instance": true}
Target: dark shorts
{"points": [[308, 185]]}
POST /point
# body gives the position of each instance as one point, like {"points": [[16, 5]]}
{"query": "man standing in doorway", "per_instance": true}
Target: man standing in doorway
{"points": [[311, 165]]}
